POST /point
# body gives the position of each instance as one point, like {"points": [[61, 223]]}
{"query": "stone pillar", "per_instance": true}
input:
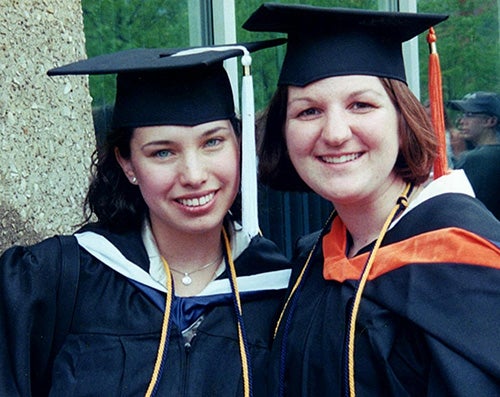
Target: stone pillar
{"points": [[46, 134]]}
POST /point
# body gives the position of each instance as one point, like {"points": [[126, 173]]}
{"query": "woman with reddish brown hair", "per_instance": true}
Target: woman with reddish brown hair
{"points": [[398, 294], [417, 151]]}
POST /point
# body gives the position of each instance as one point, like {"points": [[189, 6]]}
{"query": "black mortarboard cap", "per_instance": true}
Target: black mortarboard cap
{"points": [[187, 86], [183, 86], [325, 42]]}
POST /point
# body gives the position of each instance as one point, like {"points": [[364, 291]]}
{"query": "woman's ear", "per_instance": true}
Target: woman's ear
{"points": [[126, 166]]}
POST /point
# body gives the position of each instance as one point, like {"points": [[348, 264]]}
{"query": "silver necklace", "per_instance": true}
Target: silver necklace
{"points": [[186, 279]]}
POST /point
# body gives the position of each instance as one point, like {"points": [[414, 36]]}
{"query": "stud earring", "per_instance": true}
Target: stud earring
{"points": [[133, 180]]}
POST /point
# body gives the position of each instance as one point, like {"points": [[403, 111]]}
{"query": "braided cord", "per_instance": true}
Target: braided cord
{"points": [[291, 303], [165, 335], [242, 338], [298, 282], [401, 204]]}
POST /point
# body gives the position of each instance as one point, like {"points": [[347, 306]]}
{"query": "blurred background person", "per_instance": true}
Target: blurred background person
{"points": [[479, 124], [455, 143]]}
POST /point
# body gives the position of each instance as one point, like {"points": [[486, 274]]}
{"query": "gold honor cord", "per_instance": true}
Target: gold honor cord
{"points": [[166, 321], [301, 275], [164, 331], [402, 201], [239, 314]]}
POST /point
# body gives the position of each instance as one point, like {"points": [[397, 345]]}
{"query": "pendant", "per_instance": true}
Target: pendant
{"points": [[186, 280]]}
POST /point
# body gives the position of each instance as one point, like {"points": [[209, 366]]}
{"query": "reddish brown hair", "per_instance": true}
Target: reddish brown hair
{"points": [[414, 162]]}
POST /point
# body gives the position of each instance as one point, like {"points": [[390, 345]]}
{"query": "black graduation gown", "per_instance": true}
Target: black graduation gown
{"points": [[425, 327], [115, 329]]}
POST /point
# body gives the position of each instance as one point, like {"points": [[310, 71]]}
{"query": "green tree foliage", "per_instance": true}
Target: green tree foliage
{"points": [[468, 46], [468, 42], [115, 25]]}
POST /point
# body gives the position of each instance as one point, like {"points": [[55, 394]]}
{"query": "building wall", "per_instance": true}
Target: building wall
{"points": [[46, 136]]}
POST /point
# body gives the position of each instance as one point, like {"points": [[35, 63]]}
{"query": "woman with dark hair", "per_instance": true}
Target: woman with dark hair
{"points": [[398, 294], [167, 292]]}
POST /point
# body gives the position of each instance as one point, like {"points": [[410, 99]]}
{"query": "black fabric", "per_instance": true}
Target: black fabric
{"points": [[330, 41], [482, 167], [157, 86], [114, 336], [67, 289], [173, 98], [424, 329]]}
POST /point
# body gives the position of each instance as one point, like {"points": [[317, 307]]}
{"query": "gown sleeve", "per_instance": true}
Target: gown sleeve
{"points": [[452, 295], [29, 279]]}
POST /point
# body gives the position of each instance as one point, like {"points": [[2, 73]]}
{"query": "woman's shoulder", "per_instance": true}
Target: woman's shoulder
{"points": [[449, 202], [305, 243], [40, 263], [39, 252], [96, 240], [454, 210], [266, 252]]}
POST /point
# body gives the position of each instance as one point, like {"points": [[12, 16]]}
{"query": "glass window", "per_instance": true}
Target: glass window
{"points": [[115, 25], [468, 45]]}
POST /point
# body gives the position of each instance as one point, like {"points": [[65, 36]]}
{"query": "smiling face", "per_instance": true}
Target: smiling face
{"points": [[342, 138], [188, 176]]}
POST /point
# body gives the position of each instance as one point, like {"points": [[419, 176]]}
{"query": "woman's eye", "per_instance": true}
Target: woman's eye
{"points": [[361, 106], [163, 153], [308, 112], [213, 142]]}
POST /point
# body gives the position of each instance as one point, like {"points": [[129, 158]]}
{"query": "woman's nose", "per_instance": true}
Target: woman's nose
{"points": [[193, 170], [336, 129]]}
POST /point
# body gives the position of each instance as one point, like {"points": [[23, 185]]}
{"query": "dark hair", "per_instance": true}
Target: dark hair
{"points": [[111, 197], [118, 204], [414, 162]]}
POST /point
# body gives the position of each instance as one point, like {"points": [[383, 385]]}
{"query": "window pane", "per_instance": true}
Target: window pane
{"points": [[115, 25], [468, 46]]}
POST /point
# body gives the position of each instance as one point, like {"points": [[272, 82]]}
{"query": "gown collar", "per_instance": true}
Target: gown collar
{"points": [[239, 242]]}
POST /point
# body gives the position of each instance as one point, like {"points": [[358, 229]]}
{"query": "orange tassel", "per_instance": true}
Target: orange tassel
{"points": [[436, 105]]}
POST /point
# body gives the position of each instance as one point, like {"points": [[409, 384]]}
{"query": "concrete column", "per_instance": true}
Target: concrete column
{"points": [[46, 134]]}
